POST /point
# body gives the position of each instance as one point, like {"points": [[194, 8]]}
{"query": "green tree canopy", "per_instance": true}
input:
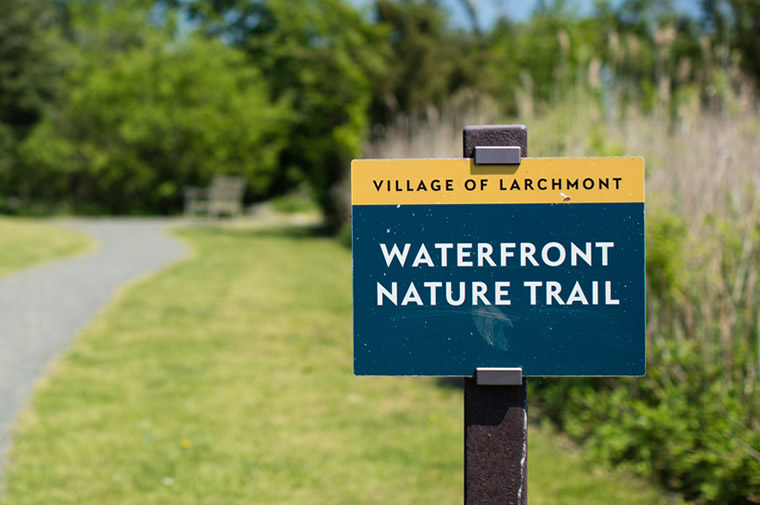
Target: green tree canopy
{"points": [[323, 57], [428, 61], [28, 76], [145, 114], [736, 23]]}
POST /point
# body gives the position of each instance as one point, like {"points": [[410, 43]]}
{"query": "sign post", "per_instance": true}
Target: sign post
{"points": [[495, 417], [497, 267]]}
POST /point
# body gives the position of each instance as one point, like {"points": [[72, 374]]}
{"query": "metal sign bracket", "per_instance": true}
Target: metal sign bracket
{"points": [[499, 376], [497, 155]]}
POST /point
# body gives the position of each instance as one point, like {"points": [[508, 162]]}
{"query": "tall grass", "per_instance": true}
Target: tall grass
{"points": [[435, 132], [694, 421]]}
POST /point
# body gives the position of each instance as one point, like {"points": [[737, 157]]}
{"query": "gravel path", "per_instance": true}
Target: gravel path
{"points": [[41, 309]]}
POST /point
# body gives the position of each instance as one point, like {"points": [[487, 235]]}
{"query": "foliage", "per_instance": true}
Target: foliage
{"points": [[692, 422], [295, 202], [427, 61], [142, 118], [322, 55], [737, 22], [665, 269], [318, 74], [543, 55], [559, 472], [27, 76], [7, 159]]}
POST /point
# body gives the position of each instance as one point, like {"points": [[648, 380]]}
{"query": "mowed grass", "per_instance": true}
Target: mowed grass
{"points": [[560, 474], [228, 379], [26, 242]]}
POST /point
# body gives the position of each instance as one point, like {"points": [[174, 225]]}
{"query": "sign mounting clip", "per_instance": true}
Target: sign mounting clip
{"points": [[497, 155], [499, 376]]}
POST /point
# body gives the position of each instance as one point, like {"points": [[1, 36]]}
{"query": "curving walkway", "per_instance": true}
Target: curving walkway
{"points": [[41, 309]]}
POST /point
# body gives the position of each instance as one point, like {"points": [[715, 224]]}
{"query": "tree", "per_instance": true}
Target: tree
{"points": [[737, 22], [28, 76], [322, 56], [428, 63], [145, 114]]}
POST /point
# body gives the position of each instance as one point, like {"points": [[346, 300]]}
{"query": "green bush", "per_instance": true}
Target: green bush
{"points": [[345, 236], [143, 117], [665, 243], [294, 202], [693, 421]]}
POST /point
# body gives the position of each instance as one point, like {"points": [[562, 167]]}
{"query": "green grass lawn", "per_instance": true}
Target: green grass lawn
{"points": [[227, 379], [25, 242]]}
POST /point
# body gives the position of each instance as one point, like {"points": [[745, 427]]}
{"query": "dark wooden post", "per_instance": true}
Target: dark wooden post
{"points": [[495, 417]]}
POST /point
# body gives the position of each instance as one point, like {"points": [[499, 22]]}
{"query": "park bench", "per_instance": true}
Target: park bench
{"points": [[224, 196]]}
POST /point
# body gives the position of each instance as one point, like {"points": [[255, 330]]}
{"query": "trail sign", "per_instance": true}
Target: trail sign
{"points": [[538, 266]]}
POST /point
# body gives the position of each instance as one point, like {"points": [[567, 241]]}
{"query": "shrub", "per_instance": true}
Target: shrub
{"points": [[143, 116]]}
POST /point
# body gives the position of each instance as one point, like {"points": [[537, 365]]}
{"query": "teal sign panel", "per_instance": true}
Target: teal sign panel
{"points": [[556, 289]]}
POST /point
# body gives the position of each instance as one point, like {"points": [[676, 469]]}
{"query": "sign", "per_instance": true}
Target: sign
{"points": [[459, 266]]}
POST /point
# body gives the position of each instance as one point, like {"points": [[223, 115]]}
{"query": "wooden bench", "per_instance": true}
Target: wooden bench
{"points": [[223, 197]]}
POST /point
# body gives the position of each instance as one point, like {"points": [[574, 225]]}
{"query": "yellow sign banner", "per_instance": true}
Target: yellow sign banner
{"points": [[460, 181]]}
